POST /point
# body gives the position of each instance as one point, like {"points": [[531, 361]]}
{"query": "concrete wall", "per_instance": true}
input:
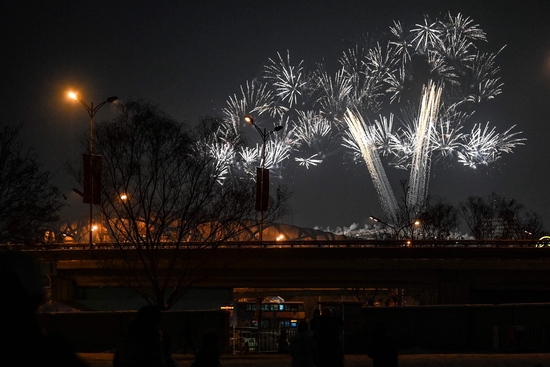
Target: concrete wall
{"points": [[100, 331], [463, 328]]}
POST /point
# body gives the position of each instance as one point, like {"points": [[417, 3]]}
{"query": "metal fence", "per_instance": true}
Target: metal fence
{"points": [[519, 338], [251, 340]]}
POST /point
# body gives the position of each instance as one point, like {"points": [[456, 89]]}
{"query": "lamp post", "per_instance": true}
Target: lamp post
{"points": [[92, 110], [262, 174]]}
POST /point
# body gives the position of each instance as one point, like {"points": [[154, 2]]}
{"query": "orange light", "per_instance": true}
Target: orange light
{"points": [[248, 119], [72, 95], [280, 237], [123, 197], [94, 228]]}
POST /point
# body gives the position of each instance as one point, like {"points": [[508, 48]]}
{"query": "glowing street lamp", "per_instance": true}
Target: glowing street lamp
{"points": [[89, 167], [262, 174]]}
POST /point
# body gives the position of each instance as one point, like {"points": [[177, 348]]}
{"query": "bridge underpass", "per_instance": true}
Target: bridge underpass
{"points": [[459, 275]]}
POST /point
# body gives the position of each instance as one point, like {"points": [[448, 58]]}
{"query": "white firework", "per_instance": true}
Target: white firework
{"points": [[311, 161], [483, 146], [426, 36], [374, 80], [460, 27], [479, 147], [383, 135], [381, 60], [250, 158], [335, 93], [364, 71], [316, 131], [289, 80], [224, 155], [440, 69], [401, 42], [395, 83], [277, 151], [254, 97], [447, 136]]}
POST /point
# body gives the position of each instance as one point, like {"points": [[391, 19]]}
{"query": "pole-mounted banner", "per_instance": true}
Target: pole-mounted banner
{"points": [[262, 188], [92, 182]]}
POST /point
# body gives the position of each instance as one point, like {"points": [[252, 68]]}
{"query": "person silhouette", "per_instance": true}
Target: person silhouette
{"points": [[314, 326], [26, 343], [382, 351], [282, 342], [141, 344], [328, 335], [314, 320], [190, 336], [303, 347], [209, 353], [167, 349]]}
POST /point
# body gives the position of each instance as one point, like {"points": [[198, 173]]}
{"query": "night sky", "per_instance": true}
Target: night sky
{"points": [[190, 56]]}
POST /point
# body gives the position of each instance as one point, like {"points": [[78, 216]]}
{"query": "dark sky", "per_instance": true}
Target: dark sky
{"points": [[189, 56]]}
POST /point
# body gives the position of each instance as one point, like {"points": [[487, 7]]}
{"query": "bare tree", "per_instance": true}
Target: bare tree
{"points": [[159, 190], [496, 217], [405, 223], [28, 203], [438, 220], [433, 218]]}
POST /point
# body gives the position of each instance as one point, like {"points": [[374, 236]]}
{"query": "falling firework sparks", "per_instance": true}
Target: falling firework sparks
{"points": [[361, 137], [421, 161]]}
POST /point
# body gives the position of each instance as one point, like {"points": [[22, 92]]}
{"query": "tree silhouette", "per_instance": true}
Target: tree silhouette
{"points": [[28, 203], [161, 190]]}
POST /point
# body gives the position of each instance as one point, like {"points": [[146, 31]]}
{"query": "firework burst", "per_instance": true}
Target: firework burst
{"points": [[433, 72], [289, 80]]}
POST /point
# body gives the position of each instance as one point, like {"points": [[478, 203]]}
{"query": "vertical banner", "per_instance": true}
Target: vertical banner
{"points": [[92, 178], [262, 188]]}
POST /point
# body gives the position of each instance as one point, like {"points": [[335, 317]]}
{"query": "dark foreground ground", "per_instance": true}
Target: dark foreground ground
{"points": [[408, 360]]}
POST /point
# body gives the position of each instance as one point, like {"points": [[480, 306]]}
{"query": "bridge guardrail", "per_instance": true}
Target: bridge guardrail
{"points": [[291, 244]]}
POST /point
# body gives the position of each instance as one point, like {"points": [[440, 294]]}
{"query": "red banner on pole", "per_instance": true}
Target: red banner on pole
{"points": [[92, 178], [262, 188]]}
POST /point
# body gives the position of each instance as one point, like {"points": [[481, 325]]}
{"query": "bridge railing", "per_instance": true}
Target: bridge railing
{"points": [[357, 243]]}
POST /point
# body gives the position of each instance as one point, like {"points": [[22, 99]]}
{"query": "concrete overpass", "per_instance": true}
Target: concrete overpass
{"points": [[461, 271]]}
